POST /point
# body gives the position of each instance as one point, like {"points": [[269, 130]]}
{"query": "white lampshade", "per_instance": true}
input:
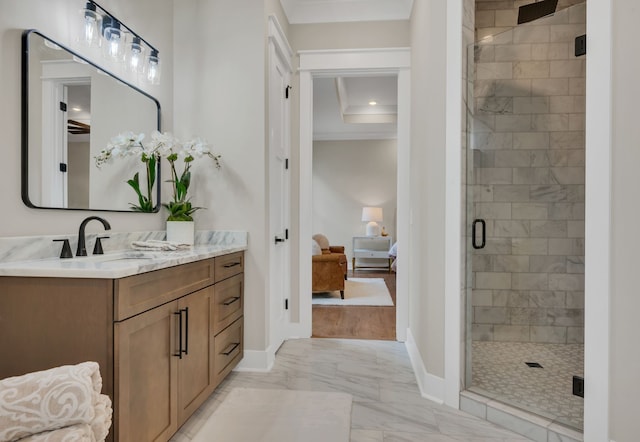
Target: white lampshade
{"points": [[372, 215]]}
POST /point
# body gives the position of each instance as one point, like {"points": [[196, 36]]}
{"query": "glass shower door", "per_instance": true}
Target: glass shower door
{"points": [[525, 217]]}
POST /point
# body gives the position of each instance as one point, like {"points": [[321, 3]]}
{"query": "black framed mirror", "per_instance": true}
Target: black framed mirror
{"points": [[71, 109]]}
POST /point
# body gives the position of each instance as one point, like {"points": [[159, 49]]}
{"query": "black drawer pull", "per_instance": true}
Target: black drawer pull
{"points": [[230, 348], [232, 264], [230, 301]]}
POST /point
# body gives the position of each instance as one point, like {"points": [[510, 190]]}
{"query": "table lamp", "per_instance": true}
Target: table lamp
{"points": [[372, 216]]}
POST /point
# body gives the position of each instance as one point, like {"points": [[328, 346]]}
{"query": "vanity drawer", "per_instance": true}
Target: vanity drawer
{"points": [[228, 348], [139, 293], [229, 265], [228, 302]]}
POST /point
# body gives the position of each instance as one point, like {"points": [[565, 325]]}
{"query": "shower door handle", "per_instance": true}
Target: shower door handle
{"points": [[474, 241]]}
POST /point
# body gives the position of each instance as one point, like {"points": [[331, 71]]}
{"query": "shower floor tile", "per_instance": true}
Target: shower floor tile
{"points": [[500, 372]]}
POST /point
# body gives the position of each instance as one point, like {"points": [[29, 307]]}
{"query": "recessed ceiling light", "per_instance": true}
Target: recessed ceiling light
{"points": [[373, 103], [77, 109]]}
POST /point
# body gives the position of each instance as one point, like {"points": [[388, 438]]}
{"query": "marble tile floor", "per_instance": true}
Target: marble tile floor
{"points": [[387, 406], [499, 372]]}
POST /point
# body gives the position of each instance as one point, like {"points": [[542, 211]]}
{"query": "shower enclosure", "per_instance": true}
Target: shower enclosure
{"points": [[525, 215]]}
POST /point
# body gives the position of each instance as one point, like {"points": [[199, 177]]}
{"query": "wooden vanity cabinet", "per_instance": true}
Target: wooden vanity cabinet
{"points": [[164, 339]]}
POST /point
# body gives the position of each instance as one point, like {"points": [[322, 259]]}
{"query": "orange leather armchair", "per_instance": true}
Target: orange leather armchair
{"points": [[328, 270]]}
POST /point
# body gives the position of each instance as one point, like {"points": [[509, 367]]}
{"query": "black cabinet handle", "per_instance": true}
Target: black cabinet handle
{"points": [[230, 348], [474, 242], [186, 331], [179, 313], [182, 325], [233, 264], [230, 301]]}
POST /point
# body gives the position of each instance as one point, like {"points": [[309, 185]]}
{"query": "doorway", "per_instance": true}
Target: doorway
{"points": [[354, 166], [319, 64]]}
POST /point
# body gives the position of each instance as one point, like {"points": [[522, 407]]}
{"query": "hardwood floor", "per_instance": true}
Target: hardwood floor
{"points": [[358, 322]]}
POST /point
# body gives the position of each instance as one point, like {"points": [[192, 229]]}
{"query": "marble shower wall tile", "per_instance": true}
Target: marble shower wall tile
{"points": [[528, 174]]}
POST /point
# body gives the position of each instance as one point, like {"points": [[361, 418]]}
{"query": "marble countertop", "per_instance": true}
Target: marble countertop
{"points": [[116, 264], [37, 256]]}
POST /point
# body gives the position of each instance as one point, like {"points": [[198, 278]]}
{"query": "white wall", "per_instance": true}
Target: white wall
{"points": [[428, 67], [625, 243], [220, 95], [348, 175], [150, 18]]}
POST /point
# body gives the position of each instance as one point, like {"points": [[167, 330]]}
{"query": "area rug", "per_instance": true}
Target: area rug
{"points": [[261, 415], [357, 291]]}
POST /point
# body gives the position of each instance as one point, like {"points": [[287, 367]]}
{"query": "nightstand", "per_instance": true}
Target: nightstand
{"points": [[372, 248]]}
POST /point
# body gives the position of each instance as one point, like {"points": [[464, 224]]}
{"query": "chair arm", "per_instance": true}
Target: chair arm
{"points": [[329, 257], [336, 249]]}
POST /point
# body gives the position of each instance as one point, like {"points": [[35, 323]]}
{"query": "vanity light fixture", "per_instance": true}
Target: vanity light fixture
{"points": [[119, 42]]}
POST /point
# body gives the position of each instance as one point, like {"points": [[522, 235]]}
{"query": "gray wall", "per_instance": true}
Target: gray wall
{"points": [[348, 175], [55, 18]]}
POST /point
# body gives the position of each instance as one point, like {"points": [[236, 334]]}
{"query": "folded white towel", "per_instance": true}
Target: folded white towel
{"points": [[46, 401], [154, 244]]}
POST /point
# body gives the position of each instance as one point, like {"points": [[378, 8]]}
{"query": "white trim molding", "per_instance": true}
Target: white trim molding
{"points": [[431, 387], [277, 35], [453, 306], [598, 221], [257, 360]]}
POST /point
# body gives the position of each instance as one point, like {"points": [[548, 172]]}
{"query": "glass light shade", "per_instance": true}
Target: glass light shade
{"points": [[113, 43], [152, 68], [135, 56], [89, 33]]}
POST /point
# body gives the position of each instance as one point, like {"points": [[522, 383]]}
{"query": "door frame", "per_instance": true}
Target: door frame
{"points": [[352, 62], [279, 52], [597, 216]]}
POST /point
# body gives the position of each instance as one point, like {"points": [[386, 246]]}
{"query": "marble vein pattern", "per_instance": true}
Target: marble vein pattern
{"points": [[499, 372], [35, 256], [387, 405]]}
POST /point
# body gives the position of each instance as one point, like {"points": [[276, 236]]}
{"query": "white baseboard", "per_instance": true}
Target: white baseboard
{"points": [[258, 361], [431, 386]]}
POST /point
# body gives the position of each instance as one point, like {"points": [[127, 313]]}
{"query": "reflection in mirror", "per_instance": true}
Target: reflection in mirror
{"points": [[71, 109]]}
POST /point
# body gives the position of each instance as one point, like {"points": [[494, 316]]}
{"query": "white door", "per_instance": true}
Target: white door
{"points": [[279, 181], [54, 144]]}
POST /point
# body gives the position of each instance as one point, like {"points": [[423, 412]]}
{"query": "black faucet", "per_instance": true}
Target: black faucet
{"points": [[82, 250]]}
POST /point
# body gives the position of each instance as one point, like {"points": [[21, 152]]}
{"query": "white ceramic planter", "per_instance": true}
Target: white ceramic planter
{"points": [[181, 232]]}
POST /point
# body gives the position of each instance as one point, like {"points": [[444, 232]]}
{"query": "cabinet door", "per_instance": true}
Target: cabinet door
{"points": [[146, 375], [194, 369]]}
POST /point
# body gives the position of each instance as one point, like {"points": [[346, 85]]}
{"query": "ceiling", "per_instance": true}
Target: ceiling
{"points": [[331, 11], [341, 109]]}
